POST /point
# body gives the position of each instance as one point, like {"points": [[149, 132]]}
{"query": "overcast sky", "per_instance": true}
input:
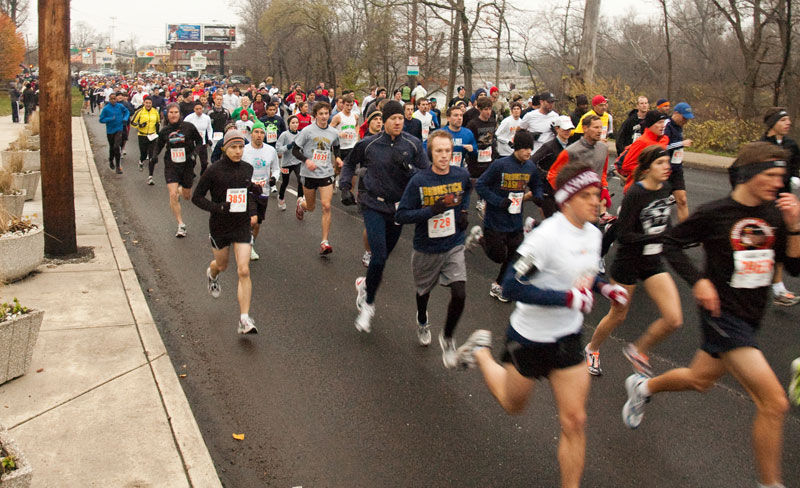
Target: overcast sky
{"points": [[147, 19]]}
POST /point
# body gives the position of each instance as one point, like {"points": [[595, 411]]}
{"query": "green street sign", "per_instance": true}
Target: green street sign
{"points": [[413, 71]]}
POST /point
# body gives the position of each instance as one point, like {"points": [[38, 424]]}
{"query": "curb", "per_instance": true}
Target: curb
{"points": [[197, 462], [706, 162]]}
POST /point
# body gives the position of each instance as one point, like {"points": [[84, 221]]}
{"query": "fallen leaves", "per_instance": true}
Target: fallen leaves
{"points": [[238, 437]]}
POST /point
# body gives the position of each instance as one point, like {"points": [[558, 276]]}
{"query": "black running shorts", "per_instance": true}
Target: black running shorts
{"points": [[725, 333], [538, 359], [180, 173]]}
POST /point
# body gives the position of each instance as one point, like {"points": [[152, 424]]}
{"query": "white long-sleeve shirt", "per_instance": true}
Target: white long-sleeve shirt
{"points": [[505, 134], [202, 124], [231, 102]]}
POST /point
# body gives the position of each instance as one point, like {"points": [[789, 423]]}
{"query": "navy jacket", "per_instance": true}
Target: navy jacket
{"points": [[503, 176]]}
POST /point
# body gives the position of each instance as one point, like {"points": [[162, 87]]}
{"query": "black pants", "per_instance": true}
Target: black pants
{"points": [[500, 247], [29, 109], [146, 148], [114, 142], [14, 111], [285, 181], [202, 152]]}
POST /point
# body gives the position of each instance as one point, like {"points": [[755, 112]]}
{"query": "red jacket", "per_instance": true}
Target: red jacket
{"points": [[632, 152]]}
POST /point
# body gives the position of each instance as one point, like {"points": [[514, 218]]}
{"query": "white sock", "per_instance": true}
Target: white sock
{"points": [[643, 388], [244, 316], [776, 485], [778, 288], [588, 350]]}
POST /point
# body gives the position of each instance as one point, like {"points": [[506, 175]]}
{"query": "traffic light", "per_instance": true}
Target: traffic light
{"points": [[89, 50], [108, 50]]}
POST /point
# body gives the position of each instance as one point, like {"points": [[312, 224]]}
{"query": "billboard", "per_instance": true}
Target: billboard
{"points": [[219, 33], [184, 32]]}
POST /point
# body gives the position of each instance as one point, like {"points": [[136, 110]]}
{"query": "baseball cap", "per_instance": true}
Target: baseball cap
{"points": [[547, 97], [598, 99], [684, 109], [564, 122]]}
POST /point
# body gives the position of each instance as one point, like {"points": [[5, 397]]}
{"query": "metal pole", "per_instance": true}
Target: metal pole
{"points": [[58, 194]]}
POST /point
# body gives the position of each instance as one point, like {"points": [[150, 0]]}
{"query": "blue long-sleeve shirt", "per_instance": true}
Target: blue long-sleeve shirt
{"points": [[114, 115], [502, 177], [390, 165], [461, 138], [421, 193]]}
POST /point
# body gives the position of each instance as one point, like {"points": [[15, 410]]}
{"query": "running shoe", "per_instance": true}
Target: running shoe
{"points": [[473, 238], [247, 326], [150, 181], [496, 291], [214, 287], [633, 410], [449, 353], [424, 333], [299, 212], [785, 299], [282, 204], [364, 318], [529, 224], [141, 166], [274, 190], [480, 205], [601, 267], [325, 248], [181, 231], [118, 171], [794, 383], [592, 361], [124, 152], [640, 361], [361, 291], [466, 353], [253, 254], [366, 258]]}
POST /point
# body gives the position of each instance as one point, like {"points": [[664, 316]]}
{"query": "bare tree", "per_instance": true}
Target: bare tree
{"points": [[16, 9], [82, 35], [588, 53], [668, 47]]}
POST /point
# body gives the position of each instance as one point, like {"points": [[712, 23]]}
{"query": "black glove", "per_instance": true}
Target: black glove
{"points": [[462, 222], [226, 207], [505, 203], [348, 198], [439, 206], [272, 181], [255, 189]]}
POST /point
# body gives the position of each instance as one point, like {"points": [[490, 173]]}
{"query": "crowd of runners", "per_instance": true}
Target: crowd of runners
{"points": [[405, 158]]}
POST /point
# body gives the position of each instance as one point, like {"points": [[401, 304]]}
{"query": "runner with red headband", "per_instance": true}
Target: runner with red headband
{"points": [[552, 283]]}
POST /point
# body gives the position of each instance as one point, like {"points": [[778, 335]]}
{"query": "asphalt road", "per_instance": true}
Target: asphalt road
{"points": [[322, 405]]}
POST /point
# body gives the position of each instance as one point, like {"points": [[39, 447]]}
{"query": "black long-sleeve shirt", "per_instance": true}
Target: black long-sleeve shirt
{"points": [[179, 135], [218, 179], [643, 220], [742, 245], [793, 163]]}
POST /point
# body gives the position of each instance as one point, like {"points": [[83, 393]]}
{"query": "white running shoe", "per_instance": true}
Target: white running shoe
{"points": [[424, 334], [253, 254], [529, 224], [274, 190], [361, 290], [466, 353], [364, 318], [214, 287], [181, 231], [282, 204], [150, 181], [473, 238], [141, 166], [449, 353], [247, 326], [480, 205], [633, 410], [366, 258], [496, 291]]}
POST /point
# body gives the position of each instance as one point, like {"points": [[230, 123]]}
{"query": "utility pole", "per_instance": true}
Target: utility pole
{"points": [[58, 194]]}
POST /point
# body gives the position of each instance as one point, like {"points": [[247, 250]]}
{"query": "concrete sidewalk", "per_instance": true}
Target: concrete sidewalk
{"points": [[107, 408], [708, 162]]}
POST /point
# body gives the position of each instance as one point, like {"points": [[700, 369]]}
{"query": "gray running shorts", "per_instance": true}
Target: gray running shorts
{"points": [[443, 268]]}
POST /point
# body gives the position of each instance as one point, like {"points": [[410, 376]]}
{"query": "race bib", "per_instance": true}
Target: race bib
{"points": [[320, 157], [442, 225], [262, 182], [485, 155], [516, 202], [347, 135], [456, 161], [636, 135], [457, 142], [753, 268], [653, 249], [152, 137], [677, 157], [216, 136], [604, 133], [425, 133], [178, 154], [272, 134], [237, 198], [285, 171]]}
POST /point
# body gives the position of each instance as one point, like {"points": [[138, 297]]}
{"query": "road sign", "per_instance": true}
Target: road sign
{"points": [[198, 62], [412, 70], [413, 61]]}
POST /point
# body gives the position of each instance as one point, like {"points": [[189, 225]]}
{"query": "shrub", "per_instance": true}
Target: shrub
{"points": [[15, 163], [722, 135], [34, 121]]}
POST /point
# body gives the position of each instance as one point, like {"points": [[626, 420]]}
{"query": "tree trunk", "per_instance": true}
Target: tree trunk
{"points": [[451, 81], [669, 49], [465, 39], [500, 14], [587, 56], [785, 30]]}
